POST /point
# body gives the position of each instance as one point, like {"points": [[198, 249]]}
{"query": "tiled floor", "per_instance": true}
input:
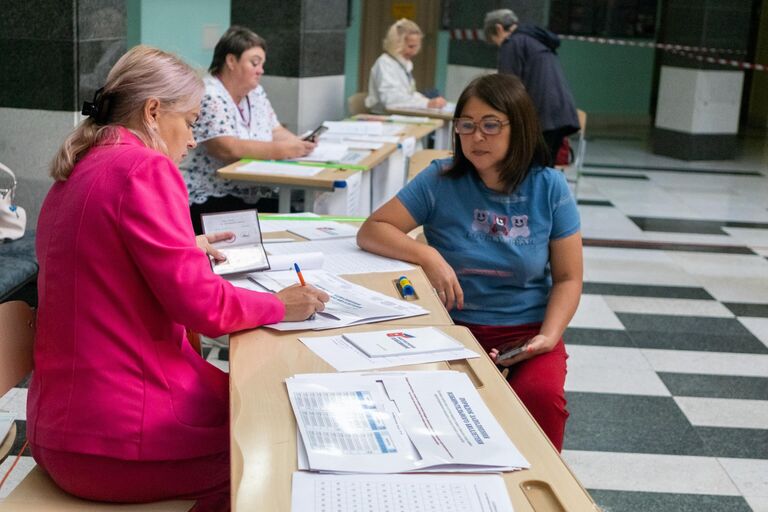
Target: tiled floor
{"points": [[668, 371]]}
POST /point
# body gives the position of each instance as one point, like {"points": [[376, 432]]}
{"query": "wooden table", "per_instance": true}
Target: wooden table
{"points": [[263, 428]]}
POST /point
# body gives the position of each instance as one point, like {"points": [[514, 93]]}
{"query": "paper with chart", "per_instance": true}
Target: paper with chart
{"points": [[350, 304], [396, 422], [312, 492], [342, 256], [345, 357]]}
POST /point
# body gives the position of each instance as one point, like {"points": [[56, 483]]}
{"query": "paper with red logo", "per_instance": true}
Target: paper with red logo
{"points": [[401, 342]]}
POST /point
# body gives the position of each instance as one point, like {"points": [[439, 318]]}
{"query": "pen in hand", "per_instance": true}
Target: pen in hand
{"points": [[303, 283]]}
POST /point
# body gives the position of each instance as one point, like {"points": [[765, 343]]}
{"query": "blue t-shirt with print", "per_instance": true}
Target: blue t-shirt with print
{"points": [[498, 244]]}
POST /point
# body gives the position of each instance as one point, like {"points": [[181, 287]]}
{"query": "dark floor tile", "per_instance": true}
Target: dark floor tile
{"points": [[667, 246], [684, 324], [629, 424], [703, 227], [716, 386], [599, 337], [743, 443], [206, 351], [640, 290], [223, 354], [21, 437], [633, 501], [594, 202], [697, 341], [739, 309], [616, 176], [714, 172]]}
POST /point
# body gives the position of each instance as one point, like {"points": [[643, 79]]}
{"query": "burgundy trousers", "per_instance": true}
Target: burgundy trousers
{"points": [[538, 381]]}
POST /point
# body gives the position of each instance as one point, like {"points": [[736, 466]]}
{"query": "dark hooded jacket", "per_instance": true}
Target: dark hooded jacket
{"points": [[530, 53]]}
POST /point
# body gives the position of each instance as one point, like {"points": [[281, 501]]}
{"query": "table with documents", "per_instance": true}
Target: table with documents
{"points": [[265, 443], [443, 135]]}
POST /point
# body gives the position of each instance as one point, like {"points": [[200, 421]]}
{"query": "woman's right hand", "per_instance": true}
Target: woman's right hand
{"points": [[443, 278], [293, 148], [438, 102], [301, 302]]}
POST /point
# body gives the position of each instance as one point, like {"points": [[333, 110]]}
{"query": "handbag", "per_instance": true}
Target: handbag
{"points": [[13, 218]]}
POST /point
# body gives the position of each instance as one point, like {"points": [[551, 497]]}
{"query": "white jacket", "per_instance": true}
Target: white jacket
{"points": [[391, 83]]}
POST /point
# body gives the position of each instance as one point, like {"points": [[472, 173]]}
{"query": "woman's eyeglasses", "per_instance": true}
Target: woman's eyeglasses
{"points": [[490, 126]]}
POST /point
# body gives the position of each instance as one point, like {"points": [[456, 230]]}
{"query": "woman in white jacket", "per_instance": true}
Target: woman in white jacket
{"points": [[391, 82]]}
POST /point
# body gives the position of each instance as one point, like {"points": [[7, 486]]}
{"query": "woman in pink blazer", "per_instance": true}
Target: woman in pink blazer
{"points": [[120, 407]]}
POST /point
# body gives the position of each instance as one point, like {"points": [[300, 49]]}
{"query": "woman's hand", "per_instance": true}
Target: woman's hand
{"points": [[443, 278], [204, 243], [293, 148], [539, 344], [438, 102], [301, 302]]}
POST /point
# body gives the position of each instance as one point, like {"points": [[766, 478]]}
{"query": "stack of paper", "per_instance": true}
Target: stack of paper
{"points": [[350, 304], [402, 493], [278, 169], [326, 151], [397, 422], [420, 345]]}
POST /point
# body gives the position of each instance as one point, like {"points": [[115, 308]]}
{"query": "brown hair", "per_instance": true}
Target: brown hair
{"points": [[235, 40], [141, 74], [507, 94]]}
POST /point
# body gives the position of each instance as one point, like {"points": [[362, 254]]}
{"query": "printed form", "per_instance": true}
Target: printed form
{"points": [[313, 492], [397, 422]]}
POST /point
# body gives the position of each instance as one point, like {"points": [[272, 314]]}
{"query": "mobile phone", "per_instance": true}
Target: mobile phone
{"points": [[511, 352], [312, 137]]}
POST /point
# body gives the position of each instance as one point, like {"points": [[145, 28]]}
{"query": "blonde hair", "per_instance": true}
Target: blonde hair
{"points": [[395, 38], [141, 74]]}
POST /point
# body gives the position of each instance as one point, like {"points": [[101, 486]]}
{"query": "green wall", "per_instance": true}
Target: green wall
{"points": [[352, 49], [609, 79], [178, 26]]}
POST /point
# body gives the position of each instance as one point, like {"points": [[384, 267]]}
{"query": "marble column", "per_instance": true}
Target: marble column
{"points": [[304, 77], [54, 55], [697, 112]]}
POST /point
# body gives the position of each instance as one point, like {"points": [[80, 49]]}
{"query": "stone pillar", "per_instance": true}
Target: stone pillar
{"points": [[697, 111], [304, 76], [54, 55]]}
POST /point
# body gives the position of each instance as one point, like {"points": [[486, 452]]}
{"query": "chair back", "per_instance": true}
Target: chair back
{"points": [[17, 335], [421, 159], [356, 103]]}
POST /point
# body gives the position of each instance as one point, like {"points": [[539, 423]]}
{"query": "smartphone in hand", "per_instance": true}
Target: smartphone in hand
{"points": [[316, 133], [511, 353]]}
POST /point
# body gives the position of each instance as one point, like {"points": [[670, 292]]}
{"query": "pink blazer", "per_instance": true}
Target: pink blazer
{"points": [[120, 279]]}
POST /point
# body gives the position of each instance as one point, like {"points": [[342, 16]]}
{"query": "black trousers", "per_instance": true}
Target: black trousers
{"points": [[554, 139]]}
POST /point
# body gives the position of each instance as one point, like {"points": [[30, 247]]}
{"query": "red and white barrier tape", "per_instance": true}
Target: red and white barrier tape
{"points": [[691, 52]]}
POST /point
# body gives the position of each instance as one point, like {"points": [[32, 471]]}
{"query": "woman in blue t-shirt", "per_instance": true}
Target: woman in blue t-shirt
{"points": [[504, 249]]}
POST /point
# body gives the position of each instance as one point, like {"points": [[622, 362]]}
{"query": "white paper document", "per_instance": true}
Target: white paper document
{"points": [[244, 251], [313, 492], [350, 304], [342, 256], [402, 342], [305, 260], [397, 422], [279, 169], [315, 230], [325, 151], [345, 357], [355, 127]]}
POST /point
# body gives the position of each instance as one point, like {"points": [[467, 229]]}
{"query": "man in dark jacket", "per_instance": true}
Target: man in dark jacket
{"points": [[529, 52]]}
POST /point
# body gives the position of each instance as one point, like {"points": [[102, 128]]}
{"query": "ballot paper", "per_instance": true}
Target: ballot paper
{"points": [[350, 304], [345, 357], [311, 492], [354, 127], [397, 422], [326, 151], [244, 251], [314, 230], [402, 342]]}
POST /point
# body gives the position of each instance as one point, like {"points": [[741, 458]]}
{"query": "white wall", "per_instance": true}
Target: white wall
{"points": [[303, 103]]}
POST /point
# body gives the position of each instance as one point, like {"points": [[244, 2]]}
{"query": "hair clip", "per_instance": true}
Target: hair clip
{"points": [[91, 108]]}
